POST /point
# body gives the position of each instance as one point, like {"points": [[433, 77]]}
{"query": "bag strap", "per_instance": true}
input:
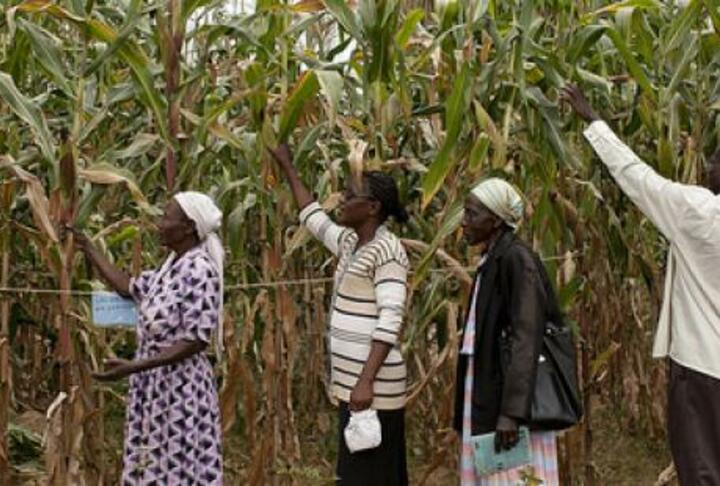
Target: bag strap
{"points": [[554, 315]]}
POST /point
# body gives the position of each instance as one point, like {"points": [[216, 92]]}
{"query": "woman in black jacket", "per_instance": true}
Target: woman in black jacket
{"points": [[502, 337]]}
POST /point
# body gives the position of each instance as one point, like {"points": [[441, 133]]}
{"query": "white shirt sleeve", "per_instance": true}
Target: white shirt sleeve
{"points": [[317, 221], [673, 207], [391, 293]]}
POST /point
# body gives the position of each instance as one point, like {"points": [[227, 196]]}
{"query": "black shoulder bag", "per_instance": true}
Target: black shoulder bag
{"points": [[556, 403]]}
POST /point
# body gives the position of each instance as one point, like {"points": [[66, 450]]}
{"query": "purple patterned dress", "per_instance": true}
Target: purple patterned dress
{"points": [[172, 432]]}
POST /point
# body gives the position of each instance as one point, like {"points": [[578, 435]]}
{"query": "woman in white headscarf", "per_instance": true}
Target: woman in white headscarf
{"points": [[502, 338], [172, 431]]}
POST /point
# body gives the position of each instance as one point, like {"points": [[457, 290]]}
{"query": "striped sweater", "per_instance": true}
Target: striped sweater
{"points": [[368, 305]]}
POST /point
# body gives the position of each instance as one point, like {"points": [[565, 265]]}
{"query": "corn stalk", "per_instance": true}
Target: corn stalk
{"points": [[6, 197], [439, 95]]}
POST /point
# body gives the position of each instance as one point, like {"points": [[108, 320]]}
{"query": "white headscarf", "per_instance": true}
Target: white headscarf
{"points": [[208, 219], [501, 197]]}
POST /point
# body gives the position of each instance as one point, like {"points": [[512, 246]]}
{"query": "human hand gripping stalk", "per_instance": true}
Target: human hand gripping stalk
{"points": [[116, 278], [574, 96], [283, 156]]}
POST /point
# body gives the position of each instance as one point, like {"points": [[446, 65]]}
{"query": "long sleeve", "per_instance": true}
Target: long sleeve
{"points": [[317, 221], [527, 301], [673, 207], [391, 292]]}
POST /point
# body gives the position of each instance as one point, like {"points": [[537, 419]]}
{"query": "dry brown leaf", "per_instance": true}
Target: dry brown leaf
{"points": [[108, 177], [667, 476], [36, 197], [52, 440], [356, 159]]}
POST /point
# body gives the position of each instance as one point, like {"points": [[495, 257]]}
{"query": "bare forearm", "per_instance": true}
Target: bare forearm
{"points": [[118, 280], [171, 355], [378, 353], [301, 193]]}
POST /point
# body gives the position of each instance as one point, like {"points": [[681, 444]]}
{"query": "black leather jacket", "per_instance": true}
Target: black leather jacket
{"points": [[511, 311]]}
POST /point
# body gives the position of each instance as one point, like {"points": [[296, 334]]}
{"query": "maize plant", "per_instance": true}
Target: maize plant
{"points": [[108, 107]]}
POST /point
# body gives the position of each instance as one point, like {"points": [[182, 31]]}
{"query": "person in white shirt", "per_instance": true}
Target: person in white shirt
{"points": [[688, 331]]}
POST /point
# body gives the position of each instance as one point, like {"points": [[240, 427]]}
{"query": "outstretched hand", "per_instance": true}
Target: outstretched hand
{"points": [[81, 239], [115, 369], [282, 155], [574, 96]]}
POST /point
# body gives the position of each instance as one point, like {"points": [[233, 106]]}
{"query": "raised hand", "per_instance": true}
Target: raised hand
{"points": [[118, 280], [283, 156], [81, 239], [574, 96]]}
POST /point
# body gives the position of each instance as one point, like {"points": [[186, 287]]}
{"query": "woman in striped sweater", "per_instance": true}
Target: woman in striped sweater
{"points": [[368, 306]]}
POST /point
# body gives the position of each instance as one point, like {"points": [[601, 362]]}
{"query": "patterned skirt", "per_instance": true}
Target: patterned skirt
{"points": [[172, 432], [542, 447]]}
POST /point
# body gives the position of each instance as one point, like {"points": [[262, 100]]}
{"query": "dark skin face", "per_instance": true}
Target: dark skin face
{"points": [[177, 231], [479, 224], [357, 208], [713, 174]]}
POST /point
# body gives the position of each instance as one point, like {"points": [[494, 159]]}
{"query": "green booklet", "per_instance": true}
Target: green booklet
{"points": [[488, 462]]}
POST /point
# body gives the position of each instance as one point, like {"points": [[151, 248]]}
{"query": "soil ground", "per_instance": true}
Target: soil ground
{"points": [[620, 458]]}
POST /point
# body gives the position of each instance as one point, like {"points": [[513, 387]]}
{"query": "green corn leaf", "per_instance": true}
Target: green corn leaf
{"points": [[413, 18], [30, 113], [305, 89], [455, 110], [636, 70], [45, 47], [345, 17]]}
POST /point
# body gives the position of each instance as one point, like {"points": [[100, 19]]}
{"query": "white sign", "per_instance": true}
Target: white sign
{"points": [[110, 309]]}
